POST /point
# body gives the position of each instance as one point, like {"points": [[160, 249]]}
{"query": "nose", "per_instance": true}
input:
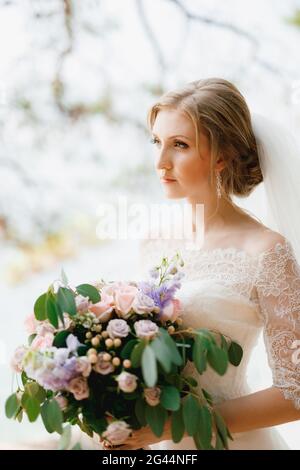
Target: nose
{"points": [[163, 161]]}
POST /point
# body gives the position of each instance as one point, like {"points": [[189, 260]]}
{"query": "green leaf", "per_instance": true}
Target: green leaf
{"points": [[60, 339], [221, 428], [11, 406], [217, 359], [177, 425], [191, 381], [51, 310], [140, 409], [156, 417], [170, 343], [207, 337], [219, 443], [170, 398], [224, 343], [190, 414], [162, 353], [66, 301], [32, 408], [149, 367], [65, 438], [98, 425], [33, 389], [19, 415], [40, 307], [24, 378], [136, 354], [235, 353], [126, 351], [197, 440], [207, 396], [205, 426], [199, 354], [85, 427], [89, 291], [52, 416]]}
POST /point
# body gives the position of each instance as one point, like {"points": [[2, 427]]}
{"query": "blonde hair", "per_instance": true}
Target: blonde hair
{"points": [[218, 109]]}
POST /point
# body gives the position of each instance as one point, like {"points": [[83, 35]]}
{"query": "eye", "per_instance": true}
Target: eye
{"points": [[181, 143], [155, 141]]}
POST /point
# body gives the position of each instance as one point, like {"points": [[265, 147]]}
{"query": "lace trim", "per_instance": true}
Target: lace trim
{"points": [[278, 289]]}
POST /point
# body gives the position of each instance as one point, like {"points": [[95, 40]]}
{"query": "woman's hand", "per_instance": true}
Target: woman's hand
{"points": [[140, 438]]}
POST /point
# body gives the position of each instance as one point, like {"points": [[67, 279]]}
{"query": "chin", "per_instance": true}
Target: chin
{"points": [[175, 195]]}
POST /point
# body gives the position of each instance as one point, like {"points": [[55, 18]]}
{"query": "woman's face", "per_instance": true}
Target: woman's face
{"points": [[177, 156]]}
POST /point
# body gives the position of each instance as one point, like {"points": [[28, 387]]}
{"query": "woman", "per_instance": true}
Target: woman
{"points": [[245, 276]]}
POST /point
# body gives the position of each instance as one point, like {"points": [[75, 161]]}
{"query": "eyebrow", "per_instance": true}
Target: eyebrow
{"points": [[171, 137]]}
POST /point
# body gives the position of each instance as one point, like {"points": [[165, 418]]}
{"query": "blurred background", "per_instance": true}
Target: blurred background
{"points": [[77, 78]]}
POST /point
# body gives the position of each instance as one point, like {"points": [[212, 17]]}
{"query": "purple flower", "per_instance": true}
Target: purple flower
{"points": [[161, 295]]}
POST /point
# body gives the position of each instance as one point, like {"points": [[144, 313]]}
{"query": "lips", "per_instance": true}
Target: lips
{"points": [[168, 179]]}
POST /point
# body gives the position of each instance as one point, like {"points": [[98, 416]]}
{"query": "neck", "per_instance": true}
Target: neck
{"points": [[217, 214]]}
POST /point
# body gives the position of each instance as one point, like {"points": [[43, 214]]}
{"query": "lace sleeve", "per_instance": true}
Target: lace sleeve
{"points": [[278, 290]]}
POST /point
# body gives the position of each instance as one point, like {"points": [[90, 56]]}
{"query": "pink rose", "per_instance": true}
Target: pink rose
{"points": [[124, 296], [170, 311], [117, 432], [42, 342], [30, 324], [103, 309], [152, 395], [79, 387]]}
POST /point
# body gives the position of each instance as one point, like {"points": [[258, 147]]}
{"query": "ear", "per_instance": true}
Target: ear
{"points": [[220, 164]]}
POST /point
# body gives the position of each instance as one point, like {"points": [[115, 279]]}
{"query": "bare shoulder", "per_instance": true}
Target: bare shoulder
{"points": [[262, 239]]}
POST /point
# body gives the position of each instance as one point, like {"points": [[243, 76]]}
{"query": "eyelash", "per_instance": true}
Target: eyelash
{"points": [[154, 141]]}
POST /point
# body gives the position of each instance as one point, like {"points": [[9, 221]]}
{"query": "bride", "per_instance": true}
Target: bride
{"points": [[245, 278]]}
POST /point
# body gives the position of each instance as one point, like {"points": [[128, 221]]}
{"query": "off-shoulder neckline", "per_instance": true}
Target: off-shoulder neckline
{"points": [[231, 250]]}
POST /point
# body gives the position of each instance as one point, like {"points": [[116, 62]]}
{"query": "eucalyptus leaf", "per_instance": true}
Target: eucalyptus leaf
{"points": [[177, 425], [199, 355], [170, 398], [51, 310], [149, 367], [11, 406], [39, 308], [217, 359], [190, 414], [87, 290], [156, 417], [136, 354], [66, 301], [235, 353], [52, 416]]}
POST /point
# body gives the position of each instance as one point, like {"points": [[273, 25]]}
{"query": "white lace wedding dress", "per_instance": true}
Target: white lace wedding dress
{"points": [[239, 294]]}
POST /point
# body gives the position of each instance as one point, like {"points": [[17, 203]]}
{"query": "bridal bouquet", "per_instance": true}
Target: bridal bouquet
{"points": [[109, 357]]}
